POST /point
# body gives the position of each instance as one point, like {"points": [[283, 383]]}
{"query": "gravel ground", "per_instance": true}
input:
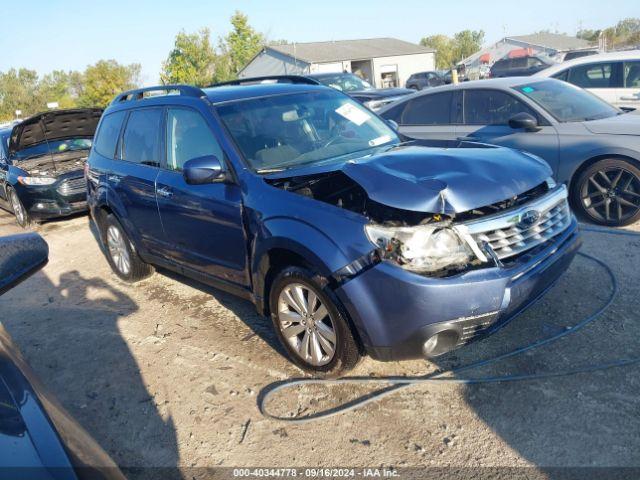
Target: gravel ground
{"points": [[165, 373]]}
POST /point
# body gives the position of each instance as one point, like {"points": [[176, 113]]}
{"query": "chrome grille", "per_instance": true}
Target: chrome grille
{"points": [[515, 231], [72, 186]]}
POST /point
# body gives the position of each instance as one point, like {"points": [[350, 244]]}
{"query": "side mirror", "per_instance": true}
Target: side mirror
{"points": [[203, 170], [20, 257], [393, 124], [525, 121]]}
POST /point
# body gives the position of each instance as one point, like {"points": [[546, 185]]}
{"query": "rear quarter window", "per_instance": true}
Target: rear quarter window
{"points": [[106, 139]]}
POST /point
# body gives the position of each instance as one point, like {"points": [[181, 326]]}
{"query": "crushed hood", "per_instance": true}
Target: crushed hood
{"points": [[54, 125], [441, 180], [625, 124]]}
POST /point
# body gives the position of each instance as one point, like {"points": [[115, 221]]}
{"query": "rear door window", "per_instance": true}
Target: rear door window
{"points": [[491, 107], [632, 74], [428, 110], [107, 138], [141, 139], [594, 75]]}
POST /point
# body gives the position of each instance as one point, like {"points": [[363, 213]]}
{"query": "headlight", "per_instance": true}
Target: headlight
{"points": [[425, 248], [36, 180]]}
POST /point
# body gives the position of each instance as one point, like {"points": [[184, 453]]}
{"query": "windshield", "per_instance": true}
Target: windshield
{"points": [[53, 147], [286, 131], [566, 102], [346, 82]]}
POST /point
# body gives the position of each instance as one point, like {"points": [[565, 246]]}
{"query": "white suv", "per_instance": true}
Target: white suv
{"points": [[614, 76]]}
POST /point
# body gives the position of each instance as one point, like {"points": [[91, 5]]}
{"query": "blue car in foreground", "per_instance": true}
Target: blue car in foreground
{"points": [[299, 199]]}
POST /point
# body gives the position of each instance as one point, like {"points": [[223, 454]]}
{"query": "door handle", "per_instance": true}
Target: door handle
{"points": [[165, 192], [632, 99]]}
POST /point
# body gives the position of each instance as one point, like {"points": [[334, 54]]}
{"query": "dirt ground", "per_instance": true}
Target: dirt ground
{"points": [[166, 373]]}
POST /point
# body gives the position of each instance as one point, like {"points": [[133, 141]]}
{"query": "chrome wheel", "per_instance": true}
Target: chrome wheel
{"points": [[116, 243], [18, 209], [611, 195], [306, 324]]}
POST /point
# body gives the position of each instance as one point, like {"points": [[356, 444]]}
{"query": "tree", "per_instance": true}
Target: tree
{"points": [[192, 60], [61, 87], [237, 48], [449, 51], [443, 46], [19, 91], [467, 42], [102, 81]]}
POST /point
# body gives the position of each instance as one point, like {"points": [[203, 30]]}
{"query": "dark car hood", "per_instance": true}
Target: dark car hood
{"points": [[441, 180], [625, 124], [378, 93], [54, 125]]}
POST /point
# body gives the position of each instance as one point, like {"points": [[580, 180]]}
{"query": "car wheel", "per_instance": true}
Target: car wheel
{"points": [[413, 87], [21, 214], [310, 325], [608, 192], [121, 255]]}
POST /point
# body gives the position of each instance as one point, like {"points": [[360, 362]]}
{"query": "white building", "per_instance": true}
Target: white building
{"points": [[383, 62]]}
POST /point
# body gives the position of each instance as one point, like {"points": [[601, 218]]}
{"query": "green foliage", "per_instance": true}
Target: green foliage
{"points": [[19, 91], [195, 61], [102, 81], [625, 33], [443, 46], [450, 51], [191, 61]]}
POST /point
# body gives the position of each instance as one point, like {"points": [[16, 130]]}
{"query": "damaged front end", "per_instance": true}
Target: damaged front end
{"points": [[419, 212]]}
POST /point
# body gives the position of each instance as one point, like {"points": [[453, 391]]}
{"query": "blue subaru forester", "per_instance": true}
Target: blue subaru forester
{"points": [[299, 199]]}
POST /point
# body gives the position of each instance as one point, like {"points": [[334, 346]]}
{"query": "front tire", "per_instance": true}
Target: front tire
{"points": [[21, 214], [608, 192], [121, 255], [309, 324]]}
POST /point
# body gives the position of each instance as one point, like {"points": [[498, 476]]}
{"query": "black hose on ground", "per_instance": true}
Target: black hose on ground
{"points": [[393, 384]]}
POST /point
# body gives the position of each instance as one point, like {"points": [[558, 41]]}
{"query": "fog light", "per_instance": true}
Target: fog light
{"points": [[440, 343], [39, 206]]}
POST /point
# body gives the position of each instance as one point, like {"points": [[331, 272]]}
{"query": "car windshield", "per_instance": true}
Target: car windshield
{"points": [[566, 102], [286, 131], [53, 147], [346, 82]]}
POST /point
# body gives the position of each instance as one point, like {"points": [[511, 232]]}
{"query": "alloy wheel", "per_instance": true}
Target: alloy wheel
{"points": [[611, 195], [116, 243], [306, 324], [18, 209]]}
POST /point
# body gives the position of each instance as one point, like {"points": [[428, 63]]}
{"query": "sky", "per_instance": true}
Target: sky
{"points": [[46, 35]]}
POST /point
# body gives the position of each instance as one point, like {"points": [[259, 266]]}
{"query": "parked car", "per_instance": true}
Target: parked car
{"points": [[299, 199], [518, 66], [573, 54], [593, 147], [38, 438], [42, 162], [614, 76], [420, 80], [373, 98]]}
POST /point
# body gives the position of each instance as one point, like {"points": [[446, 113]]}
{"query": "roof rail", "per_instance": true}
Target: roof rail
{"points": [[138, 93], [269, 79]]}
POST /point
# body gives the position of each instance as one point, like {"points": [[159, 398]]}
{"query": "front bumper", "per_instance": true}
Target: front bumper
{"points": [[396, 311], [55, 200]]}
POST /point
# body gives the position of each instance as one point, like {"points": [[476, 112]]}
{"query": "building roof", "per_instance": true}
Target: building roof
{"points": [[334, 51], [556, 41]]}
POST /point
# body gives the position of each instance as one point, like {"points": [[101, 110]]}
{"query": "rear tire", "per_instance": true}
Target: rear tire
{"points": [[608, 192], [310, 325], [121, 254], [21, 214]]}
